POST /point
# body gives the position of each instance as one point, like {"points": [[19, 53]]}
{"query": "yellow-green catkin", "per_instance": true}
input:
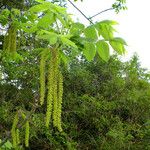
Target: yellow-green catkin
{"points": [[27, 133], [42, 79], [13, 40], [9, 37], [55, 103], [5, 44], [17, 137], [55, 91], [18, 39], [13, 131], [10, 40], [60, 94], [27, 130], [50, 93]]}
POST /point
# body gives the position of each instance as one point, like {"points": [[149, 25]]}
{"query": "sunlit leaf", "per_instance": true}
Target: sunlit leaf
{"points": [[29, 28], [40, 1], [90, 33], [118, 45], [61, 19], [105, 28], [68, 42], [8, 145], [103, 50], [76, 28], [46, 20], [64, 58], [89, 51], [120, 40], [109, 22], [40, 7], [106, 31], [51, 37]]}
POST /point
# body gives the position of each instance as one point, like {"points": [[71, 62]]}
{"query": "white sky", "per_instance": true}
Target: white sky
{"points": [[134, 25]]}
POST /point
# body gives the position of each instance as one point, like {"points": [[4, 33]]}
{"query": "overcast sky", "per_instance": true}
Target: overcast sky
{"points": [[134, 23]]}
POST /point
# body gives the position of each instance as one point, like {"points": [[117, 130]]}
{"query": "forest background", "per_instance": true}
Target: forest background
{"points": [[105, 102]]}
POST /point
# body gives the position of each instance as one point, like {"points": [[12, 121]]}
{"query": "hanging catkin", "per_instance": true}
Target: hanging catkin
{"points": [[17, 137], [50, 91], [27, 132], [13, 39], [55, 91], [13, 131], [42, 79], [5, 44], [60, 94], [10, 40]]}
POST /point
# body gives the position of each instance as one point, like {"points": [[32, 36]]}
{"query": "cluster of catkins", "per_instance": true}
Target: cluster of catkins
{"points": [[9, 47], [15, 131], [55, 88]]}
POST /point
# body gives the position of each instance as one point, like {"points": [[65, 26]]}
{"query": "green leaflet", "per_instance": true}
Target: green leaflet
{"points": [[68, 42], [64, 58], [62, 19], [39, 1], [53, 40], [15, 11], [105, 29], [29, 27], [118, 45], [7, 145], [58, 9], [103, 50], [89, 50], [40, 7], [51, 37], [46, 20], [109, 22], [90, 33], [4, 17], [120, 40], [47, 6], [5, 13], [76, 28]]}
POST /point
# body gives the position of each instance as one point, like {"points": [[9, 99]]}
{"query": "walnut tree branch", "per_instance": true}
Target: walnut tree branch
{"points": [[80, 12], [100, 13]]}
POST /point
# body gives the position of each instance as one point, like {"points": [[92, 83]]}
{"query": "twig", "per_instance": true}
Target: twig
{"points": [[80, 12], [100, 13]]}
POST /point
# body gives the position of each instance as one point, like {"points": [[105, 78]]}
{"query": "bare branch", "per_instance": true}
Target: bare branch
{"points": [[100, 12], [80, 12]]}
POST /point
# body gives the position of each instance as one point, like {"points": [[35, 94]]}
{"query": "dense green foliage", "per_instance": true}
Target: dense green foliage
{"points": [[110, 105], [106, 105]]}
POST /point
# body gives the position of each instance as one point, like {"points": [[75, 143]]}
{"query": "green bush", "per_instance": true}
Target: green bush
{"points": [[105, 106]]}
